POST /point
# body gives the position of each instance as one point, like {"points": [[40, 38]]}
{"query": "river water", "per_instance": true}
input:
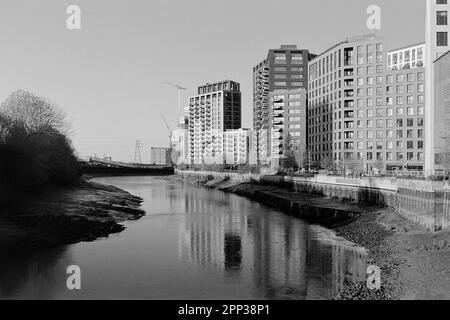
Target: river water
{"points": [[193, 244]]}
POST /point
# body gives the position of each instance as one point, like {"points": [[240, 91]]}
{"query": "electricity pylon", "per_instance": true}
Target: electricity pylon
{"points": [[137, 152]]}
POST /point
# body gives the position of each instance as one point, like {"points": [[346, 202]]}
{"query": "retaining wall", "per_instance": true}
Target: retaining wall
{"points": [[424, 202]]}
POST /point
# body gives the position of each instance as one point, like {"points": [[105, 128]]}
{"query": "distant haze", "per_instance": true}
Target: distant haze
{"points": [[109, 76]]}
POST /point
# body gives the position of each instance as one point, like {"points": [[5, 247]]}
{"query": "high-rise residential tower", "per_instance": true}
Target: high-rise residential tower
{"points": [[288, 128], [283, 69], [215, 109], [436, 44]]}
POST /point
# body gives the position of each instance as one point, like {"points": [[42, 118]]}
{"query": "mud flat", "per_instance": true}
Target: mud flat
{"points": [[59, 216]]}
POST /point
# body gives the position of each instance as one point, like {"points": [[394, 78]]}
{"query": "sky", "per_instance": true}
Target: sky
{"points": [[110, 76]]}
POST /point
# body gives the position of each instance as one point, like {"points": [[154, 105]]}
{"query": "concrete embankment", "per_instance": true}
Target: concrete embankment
{"points": [[270, 191], [426, 203]]}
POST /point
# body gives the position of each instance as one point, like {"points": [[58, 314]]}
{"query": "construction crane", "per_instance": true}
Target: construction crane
{"points": [[168, 128], [180, 90]]}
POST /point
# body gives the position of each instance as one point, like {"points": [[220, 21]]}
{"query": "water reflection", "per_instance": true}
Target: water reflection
{"points": [[193, 244], [286, 258], [37, 277]]}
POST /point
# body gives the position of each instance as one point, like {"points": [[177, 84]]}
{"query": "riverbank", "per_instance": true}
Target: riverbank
{"points": [[60, 216], [414, 263]]}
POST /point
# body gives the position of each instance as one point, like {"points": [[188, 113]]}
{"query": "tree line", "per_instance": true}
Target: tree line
{"points": [[34, 146]]}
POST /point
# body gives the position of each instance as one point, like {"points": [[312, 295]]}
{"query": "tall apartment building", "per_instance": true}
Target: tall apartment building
{"points": [[363, 116], [407, 57], [437, 43], [215, 109], [442, 112], [283, 69], [238, 144], [288, 126]]}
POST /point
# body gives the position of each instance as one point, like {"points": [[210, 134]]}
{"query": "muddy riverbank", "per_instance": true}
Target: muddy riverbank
{"points": [[414, 263], [53, 217]]}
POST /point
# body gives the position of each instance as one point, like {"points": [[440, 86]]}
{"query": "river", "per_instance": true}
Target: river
{"points": [[193, 243]]}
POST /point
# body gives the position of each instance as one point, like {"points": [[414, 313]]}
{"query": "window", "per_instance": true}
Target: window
{"points": [[295, 104], [280, 58], [442, 39], [389, 112], [295, 96], [379, 80], [410, 100], [296, 58], [442, 18], [297, 84], [441, 1], [420, 99], [420, 76], [420, 87]]}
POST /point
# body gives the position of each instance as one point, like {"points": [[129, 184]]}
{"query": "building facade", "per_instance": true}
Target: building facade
{"points": [[406, 58], [288, 127], [161, 156], [361, 115], [283, 69], [237, 146], [442, 112], [180, 140], [436, 44], [215, 109]]}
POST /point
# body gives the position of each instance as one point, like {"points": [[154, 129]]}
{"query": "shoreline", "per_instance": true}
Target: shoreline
{"points": [[61, 216], [414, 263]]}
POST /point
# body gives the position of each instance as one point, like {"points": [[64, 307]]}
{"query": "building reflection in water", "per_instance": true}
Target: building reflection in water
{"points": [[282, 257]]}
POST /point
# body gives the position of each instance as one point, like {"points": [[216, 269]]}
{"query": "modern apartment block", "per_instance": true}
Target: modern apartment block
{"points": [[437, 44], [283, 69], [237, 144], [442, 112], [215, 109], [288, 126], [406, 58], [361, 115]]}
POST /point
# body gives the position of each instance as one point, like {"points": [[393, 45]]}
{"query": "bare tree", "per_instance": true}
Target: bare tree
{"points": [[35, 114]]}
